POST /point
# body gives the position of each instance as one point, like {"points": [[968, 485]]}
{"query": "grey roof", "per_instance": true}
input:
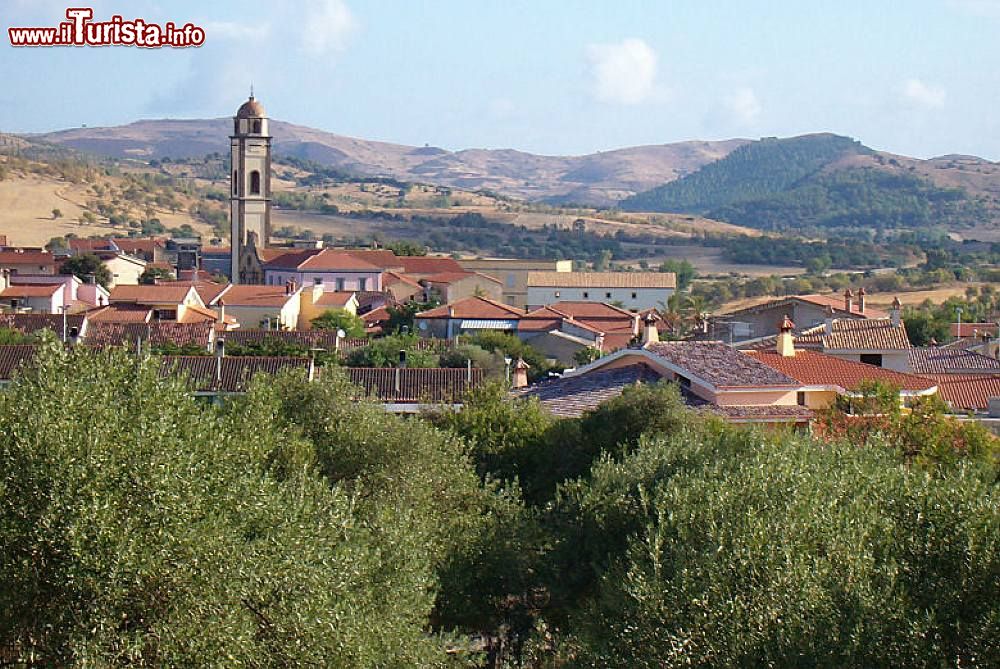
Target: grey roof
{"points": [[720, 365], [933, 360], [572, 396]]}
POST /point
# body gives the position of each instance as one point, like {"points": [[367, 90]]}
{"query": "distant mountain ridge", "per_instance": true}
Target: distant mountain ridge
{"points": [[597, 179], [823, 180]]}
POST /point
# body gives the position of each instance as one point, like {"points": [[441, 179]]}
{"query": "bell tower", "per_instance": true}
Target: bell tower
{"points": [[250, 190]]}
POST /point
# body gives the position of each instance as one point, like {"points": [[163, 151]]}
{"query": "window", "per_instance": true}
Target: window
{"points": [[800, 398], [317, 281], [634, 295], [557, 294], [340, 285], [872, 359], [607, 295], [236, 127], [255, 183], [256, 127], [236, 182], [586, 295], [363, 283]]}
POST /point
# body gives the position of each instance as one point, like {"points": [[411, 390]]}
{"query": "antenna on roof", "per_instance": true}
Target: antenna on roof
{"points": [[251, 90]]}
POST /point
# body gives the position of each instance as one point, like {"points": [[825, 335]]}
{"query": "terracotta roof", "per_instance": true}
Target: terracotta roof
{"points": [[591, 310], [415, 385], [139, 244], [968, 392], [29, 323], [334, 299], [84, 245], [19, 257], [602, 279], [31, 290], [974, 329], [101, 334], [379, 257], [429, 264], [542, 319], [392, 278], [572, 396], [216, 251], [240, 295], [374, 298], [13, 356], [474, 307], [720, 365], [931, 360], [614, 341], [121, 313], [376, 315], [229, 374], [811, 368], [208, 291], [161, 293], [195, 314], [320, 260]]}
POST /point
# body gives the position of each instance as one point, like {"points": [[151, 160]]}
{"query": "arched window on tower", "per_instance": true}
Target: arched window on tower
{"points": [[256, 126], [255, 183], [236, 182]]}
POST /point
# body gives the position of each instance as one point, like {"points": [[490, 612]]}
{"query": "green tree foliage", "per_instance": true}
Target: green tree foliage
{"points": [[333, 319], [752, 172], [384, 352], [684, 270], [778, 553], [512, 347], [141, 528], [85, 265], [151, 275]]}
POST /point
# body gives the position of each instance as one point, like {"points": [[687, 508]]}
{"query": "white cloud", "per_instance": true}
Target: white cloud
{"points": [[743, 105], [328, 27], [623, 73], [922, 94]]}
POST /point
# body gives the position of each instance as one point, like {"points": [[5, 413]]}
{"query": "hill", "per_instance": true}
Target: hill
{"points": [[816, 182], [596, 179]]}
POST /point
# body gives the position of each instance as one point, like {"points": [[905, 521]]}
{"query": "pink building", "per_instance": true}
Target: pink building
{"points": [[332, 269]]}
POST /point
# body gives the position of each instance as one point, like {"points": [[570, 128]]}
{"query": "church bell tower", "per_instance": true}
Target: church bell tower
{"points": [[250, 191]]}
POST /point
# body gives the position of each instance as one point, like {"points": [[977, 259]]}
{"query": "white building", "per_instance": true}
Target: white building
{"points": [[631, 290]]}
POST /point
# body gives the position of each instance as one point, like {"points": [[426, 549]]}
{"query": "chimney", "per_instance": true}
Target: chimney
{"points": [[848, 301], [520, 379], [222, 312], [895, 311], [861, 300], [650, 335], [829, 319], [786, 340]]}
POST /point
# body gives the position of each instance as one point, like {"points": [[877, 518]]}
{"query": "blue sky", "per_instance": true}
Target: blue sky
{"points": [[918, 77]]}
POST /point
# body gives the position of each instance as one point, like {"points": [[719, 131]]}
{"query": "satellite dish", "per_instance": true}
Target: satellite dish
{"points": [[422, 325]]}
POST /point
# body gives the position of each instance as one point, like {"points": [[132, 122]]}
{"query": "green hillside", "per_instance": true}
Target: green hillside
{"points": [[751, 172], [860, 197]]}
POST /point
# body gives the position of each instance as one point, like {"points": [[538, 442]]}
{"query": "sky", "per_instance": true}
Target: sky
{"points": [[916, 77]]}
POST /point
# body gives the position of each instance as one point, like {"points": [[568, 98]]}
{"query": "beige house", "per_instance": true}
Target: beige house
{"points": [[166, 302], [453, 286], [125, 269], [634, 291], [513, 274], [272, 307]]}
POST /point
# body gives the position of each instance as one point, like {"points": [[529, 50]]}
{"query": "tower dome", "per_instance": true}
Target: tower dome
{"points": [[251, 109]]}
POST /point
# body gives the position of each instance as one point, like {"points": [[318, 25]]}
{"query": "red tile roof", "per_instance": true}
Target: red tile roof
{"points": [[445, 278], [931, 360], [474, 307], [101, 334], [392, 278], [849, 334], [593, 310], [837, 303], [320, 260], [334, 299], [161, 293], [974, 329], [811, 368], [146, 245], [379, 257], [239, 295], [429, 265], [195, 314], [29, 323], [87, 245], [31, 290], [21, 257], [123, 312], [968, 392]]}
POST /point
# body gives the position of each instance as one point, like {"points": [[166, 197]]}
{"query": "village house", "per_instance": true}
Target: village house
{"points": [[453, 286], [808, 311], [158, 302], [467, 316], [513, 274], [24, 261], [634, 291], [334, 270]]}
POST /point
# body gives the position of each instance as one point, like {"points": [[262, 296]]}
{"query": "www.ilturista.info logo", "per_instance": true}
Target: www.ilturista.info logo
{"points": [[79, 30]]}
